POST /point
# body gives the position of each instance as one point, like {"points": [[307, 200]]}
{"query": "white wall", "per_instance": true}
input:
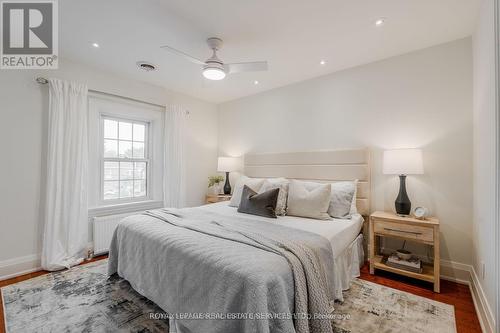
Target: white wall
{"points": [[485, 152], [23, 132], [422, 99]]}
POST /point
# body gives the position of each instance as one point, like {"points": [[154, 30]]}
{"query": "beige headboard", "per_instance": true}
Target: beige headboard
{"points": [[322, 166]]}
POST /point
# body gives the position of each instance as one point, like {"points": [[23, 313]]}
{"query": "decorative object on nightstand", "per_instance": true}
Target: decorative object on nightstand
{"points": [[421, 213], [402, 253], [214, 184], [403, 162], [209, 198], [227, 165], [385, 224]]}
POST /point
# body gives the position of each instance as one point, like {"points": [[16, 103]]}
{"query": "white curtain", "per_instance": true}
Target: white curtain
{"points": [[66, 218], [174, 176]]}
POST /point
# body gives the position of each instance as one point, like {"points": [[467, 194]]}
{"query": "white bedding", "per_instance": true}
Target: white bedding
{"points": [[340, 232]]}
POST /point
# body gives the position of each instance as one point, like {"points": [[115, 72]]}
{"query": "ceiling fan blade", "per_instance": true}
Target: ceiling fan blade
{"points": [[183, 54], [246, 67]]}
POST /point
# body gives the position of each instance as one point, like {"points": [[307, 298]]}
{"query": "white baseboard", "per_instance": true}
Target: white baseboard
{"points": [[14, 267], [18, 266], [455, 272], [483, 309]]}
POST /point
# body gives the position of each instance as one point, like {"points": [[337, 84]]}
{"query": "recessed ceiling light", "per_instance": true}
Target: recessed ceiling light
{"points": [[146, 66], [322, 62], [380, 22], [256, 82], [95, 45]]}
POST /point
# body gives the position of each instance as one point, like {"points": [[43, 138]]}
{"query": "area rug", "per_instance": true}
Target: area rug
{"points": [[83, 299], [370, 307]]}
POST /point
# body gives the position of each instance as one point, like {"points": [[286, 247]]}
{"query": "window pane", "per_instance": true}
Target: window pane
{"points": [[126, 170], [125, 149], [139, 188], [110, 190], [110, 148], [126, 189], [140, 170], [110, 129], [139, 131], [125, 131], [110, 170], [138, 150], [124, 140]]}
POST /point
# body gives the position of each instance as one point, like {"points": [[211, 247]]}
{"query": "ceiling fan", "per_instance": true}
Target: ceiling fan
{"points": [[213, 67]]}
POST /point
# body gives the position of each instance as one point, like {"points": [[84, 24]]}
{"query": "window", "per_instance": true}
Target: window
{"points": [[126, 151], [125, 161]]}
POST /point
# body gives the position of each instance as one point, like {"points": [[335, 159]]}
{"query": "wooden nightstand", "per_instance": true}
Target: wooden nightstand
{"points": [[210, 198], [406, 228]]}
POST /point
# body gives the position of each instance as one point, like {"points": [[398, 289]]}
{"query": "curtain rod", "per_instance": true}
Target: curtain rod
{"points": [[42, 80]]}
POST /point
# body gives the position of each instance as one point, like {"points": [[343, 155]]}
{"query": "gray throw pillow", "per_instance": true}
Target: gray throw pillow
{"points": [[254, 183], [261, 204], [282, 185]]}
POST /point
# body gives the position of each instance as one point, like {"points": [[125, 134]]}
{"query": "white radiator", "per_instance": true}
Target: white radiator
{"points": [[104, 227]]}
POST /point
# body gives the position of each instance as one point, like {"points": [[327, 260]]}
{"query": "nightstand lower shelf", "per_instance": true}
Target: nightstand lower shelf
{"points": [[426, 275]]}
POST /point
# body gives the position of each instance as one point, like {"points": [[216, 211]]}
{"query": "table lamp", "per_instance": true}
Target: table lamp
{"points": [[403, 162], [227, 165]]}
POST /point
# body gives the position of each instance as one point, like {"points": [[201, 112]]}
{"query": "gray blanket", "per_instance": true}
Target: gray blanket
{"points": [[202, 267]]}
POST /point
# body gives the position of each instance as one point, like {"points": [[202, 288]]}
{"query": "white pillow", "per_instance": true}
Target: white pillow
{"points": [[282, 184], [308, 199], [334, 208], [343, 198], [254, 183]]}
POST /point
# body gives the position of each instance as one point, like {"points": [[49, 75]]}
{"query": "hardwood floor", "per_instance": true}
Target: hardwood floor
{"points": [[452, 293]]}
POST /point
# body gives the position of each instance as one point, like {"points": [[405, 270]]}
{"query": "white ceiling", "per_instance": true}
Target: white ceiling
{"points": [[292, 35]]}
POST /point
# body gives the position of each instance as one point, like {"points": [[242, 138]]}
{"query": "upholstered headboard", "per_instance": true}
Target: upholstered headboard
{"points": [[322, 166]]}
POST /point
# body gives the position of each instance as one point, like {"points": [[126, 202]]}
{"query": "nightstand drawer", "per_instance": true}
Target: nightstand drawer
{"points": [[404, 230]]}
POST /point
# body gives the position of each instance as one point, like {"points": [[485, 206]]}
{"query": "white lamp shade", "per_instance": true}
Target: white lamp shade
{"points": [[228, 164], [403, 162]]}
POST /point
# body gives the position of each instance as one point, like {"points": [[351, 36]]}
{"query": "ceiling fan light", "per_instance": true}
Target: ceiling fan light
{"points": [[212, 73]]}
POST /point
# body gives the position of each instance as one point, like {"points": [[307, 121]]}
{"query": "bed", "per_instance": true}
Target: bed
{"points": [[216, 270], [345, 237]]}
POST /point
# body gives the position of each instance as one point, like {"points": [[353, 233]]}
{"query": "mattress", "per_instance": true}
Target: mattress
{"points": [[340, 232]]}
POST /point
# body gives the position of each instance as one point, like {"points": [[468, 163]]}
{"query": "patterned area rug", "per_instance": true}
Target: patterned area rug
{"points": [[83, 299], [370, 307]]}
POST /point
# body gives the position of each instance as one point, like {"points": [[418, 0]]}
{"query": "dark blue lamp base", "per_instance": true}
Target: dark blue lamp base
{"points": [[227, 186], [403, 204]]}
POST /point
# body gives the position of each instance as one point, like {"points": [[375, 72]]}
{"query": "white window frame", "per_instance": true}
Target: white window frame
{"points": [[103, 105], [147, 158]]}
